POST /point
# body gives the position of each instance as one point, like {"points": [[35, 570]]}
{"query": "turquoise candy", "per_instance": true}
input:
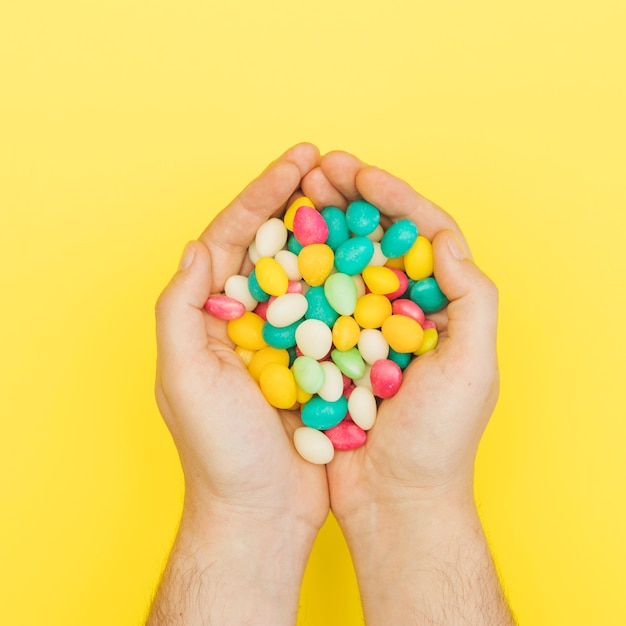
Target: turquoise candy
{"points": [[401, 359], [340, 291], [362, 217], [293, 245], [353, 255], [309, 374], [337, 226], [350, 362], [427, 295], [255, 289], [321, 414], [398, 239], [280, 337], [319, 307], [293, 355]]}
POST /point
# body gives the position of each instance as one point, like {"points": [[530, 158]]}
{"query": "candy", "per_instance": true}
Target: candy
{"points": [[386, 377], [226, 308], [399, 238], [321, 414], [287, 309], [346, 436], [362, 407], [418, 261], [313, 445], [403, 333], [427, 294], [340, 291], [314, 338], [309, 226], [278, 385], [330, 315]]}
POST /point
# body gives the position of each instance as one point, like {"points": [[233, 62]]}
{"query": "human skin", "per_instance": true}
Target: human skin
{"points": [[404, 501]]}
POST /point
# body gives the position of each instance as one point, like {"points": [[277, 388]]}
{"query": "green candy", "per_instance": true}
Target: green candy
{"points": [[309, 374], [350, 362], [340, 291], [427, 294]]}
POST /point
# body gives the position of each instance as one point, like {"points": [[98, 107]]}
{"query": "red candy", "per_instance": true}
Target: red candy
{"points": [[409, 309], [404, 284], [386, 377], [224, 308], [346, 436], [429, 324], [309, 226]]}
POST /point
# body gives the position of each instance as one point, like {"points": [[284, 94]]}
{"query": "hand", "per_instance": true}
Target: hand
{"points": [[405, 499], [252, 505]]}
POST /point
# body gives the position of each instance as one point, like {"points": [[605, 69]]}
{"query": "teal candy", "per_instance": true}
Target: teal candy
{"points": [[293, 245], [401, 359], [353, 255], [319, 307], [350, 362], [340, 291], [398, 238], [362, 217], [427, 295], [321, 414], [309, 374], [255, 289], [337, 226], [280, 337], [293, 355]]}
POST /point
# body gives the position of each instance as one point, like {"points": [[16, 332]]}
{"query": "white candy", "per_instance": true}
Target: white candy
{"points": [[237, 287], [271, 237], [289, 262], [378, 258], [314, 338], [362, 407], [287, 309], [372, 345], [313, 445], [332, 389], [360, 285], [365, 381], [376, 234], [253, 253]]}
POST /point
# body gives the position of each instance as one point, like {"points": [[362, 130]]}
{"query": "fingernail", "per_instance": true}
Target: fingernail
{"points": [[187, 258], [456, 248]]}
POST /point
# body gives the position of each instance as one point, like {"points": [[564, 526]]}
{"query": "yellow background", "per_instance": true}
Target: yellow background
{"points": [[125, 125]]}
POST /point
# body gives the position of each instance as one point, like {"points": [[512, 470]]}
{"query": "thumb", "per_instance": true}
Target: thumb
{"points": [[180, 321], [473, 308]]}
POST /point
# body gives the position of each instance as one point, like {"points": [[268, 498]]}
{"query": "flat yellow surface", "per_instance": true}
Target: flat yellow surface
{"points": [[125, 125]]}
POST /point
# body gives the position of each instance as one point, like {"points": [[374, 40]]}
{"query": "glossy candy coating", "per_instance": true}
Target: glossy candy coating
{"points": [[402, 333], [345, 332], [362, 407], [308, 373], [287, 309], [226, 308], [282, 338], [419, 261], [337, 226], [362, 217], [399, 238], [350, 362], [270, 238], [332, 389], [314, 338], [372, 310], [309, 226], [319, 307], [271, 276], [386, 377], [353, 255], [373, 345], [428, 296], [315, 263], [290, 213], [431, 338], [263, 357], [247, 331], [320, 414], [340, 291], [313, 445], [236, 287], [278, 385], [346, 436], [381, 280]]}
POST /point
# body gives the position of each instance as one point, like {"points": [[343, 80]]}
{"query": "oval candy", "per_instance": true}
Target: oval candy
{"points": [[373, 345], [320, 414], [340, 291], [225, 308], [386, 377], [278, 385], [362, 407], [353, 255], [403, 333], [247, 331], [270, 237], [236, 287], [362, 217], [309, 226], [287, 309], [314, 338], [332, 389], [308, 373], [315, 263], [418, 261], [346, 436], [337, 226], [399, 238], [427, 294], [313, 445], [271, 276]]}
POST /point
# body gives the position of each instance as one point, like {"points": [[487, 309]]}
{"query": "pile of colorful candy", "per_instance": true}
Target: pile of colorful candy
{"points": [[332, 313]]}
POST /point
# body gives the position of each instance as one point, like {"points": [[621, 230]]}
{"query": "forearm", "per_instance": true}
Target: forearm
{"points": [[227, 570], [426, 564]]}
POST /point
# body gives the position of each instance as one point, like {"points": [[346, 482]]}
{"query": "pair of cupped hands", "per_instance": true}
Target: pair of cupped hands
{"points": [[237, 452]]}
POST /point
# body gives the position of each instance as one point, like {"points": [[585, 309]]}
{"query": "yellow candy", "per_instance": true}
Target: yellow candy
{"points": [[315, 263], [293, 207], [247, 331], [265, 356], [402, 333], [278, 385], [346, 332], [372, 310], [380, 280], [246, 355], [418, 261], [431, 338], [302, 397], [398, 263], [271, 276]]}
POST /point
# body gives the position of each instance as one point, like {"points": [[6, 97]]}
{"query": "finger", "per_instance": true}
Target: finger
{"points": [[473, 308], [317, 187], [233, 229], [398, 200], [341, 169], [180, 317]]}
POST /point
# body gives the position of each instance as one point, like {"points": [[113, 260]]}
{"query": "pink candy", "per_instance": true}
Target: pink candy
{"points": [[309, 226], [346, 435], [404, 284], [224, 308], [408, 308], [386, 377]]}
